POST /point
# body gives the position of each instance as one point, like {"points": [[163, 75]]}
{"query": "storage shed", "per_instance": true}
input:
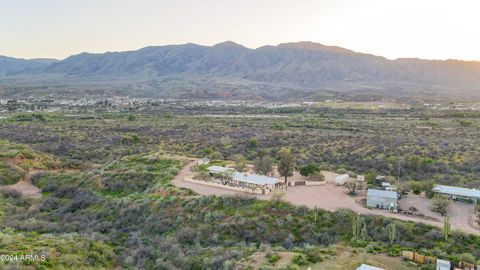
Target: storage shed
{"points": [[443, 265], [382, 199], [458, 192], [203, 161], [368, 267]]}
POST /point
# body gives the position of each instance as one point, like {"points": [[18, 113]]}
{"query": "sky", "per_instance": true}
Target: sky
{"points": [[429, 29]]}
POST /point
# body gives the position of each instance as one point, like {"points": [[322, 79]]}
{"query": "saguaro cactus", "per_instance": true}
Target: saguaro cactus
{"points": [[359, 227], [392, 233], [355, 225], [364, 232], [446, 227]]}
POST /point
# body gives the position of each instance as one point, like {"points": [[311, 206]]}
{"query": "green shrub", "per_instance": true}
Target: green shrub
{"points": [[300, 259], [309, 169], [313, 256], [9, 173], [272, 258]]}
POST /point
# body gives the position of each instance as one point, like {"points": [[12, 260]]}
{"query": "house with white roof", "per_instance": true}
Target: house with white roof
{"points": [[231, 177]]}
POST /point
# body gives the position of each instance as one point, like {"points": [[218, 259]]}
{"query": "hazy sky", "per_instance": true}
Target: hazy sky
{"points": [[433, 29]]}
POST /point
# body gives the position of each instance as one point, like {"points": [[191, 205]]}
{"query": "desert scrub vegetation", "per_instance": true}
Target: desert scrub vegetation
{"points": [[24, 157], [177, 231], [140, 173], [147, 174], [422, 145], [10, 173], [122, 206], [17, 159], [60, 251]]}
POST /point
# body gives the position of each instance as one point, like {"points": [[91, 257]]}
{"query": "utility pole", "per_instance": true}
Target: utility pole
{"points": [[398, 175]]}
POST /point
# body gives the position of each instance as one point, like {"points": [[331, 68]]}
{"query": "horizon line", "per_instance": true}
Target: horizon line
{"points": [[250, 48]]}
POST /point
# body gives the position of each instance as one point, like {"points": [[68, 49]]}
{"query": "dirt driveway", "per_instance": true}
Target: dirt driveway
{"points": [[459, 212]]}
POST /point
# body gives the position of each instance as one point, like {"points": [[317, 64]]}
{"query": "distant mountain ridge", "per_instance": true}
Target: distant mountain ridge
{"points": [[302, 65], [11, 66]]}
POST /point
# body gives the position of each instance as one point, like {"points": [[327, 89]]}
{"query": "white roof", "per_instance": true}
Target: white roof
{"points": [[382, 193], [248, 178], [467, 192], [255, 179], [368, 267], [443, 263], [219, 169]]}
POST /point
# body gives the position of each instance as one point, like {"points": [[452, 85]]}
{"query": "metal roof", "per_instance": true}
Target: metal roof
{"points": [[443, 263], [382, 193], [466, 192], [368, 267], [248, 178], [219, 169], [255, 179]]}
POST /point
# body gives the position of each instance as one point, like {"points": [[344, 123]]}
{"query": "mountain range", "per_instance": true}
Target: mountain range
{"points": [[301, 70]]}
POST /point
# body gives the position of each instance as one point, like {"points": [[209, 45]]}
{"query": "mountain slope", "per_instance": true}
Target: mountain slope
{"points": [[302, 65], [11, 66]]}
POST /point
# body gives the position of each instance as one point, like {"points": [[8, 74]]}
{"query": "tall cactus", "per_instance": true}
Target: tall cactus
{"points": [[356, 225], [359, 227], [446, 227], [315, 214], [364, 232], [392, 232]]}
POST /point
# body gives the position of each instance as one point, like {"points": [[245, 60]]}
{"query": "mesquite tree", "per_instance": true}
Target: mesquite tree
{"points": [[285, 166]]}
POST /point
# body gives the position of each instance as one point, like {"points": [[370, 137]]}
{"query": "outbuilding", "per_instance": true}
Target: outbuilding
{"points": [[443, 265], [458, 193], [218, 170], [203, 161], [383, 199], [368, 267]]}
